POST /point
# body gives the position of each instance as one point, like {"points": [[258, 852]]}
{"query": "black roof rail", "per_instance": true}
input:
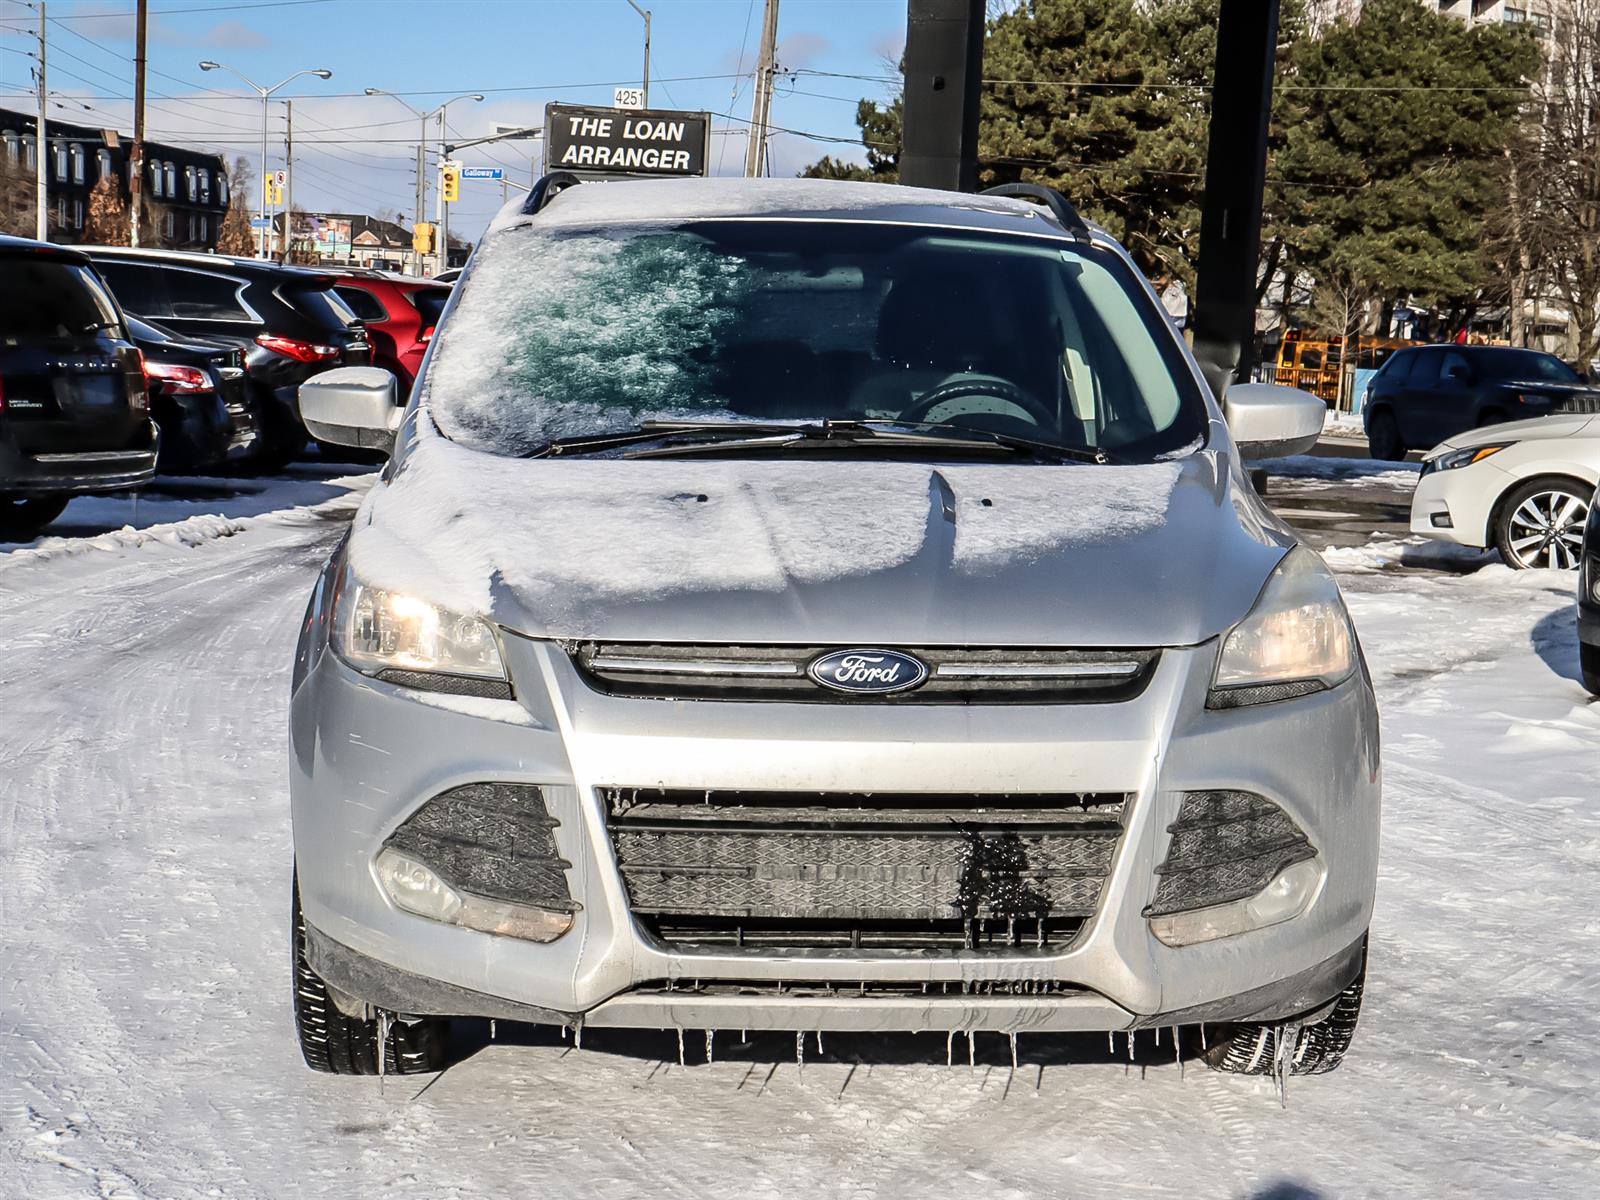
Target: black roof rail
{"points": [[547, 189], [1051, 198]]}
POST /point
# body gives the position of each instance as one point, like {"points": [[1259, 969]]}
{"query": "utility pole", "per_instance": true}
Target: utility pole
{"points": [[288, 178], [41, 142], [755, 156], [944, 67], [645, 13], [422, 180], [136, 154], [444, 209]]}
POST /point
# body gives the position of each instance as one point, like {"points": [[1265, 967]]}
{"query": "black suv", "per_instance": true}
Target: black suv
{"points": [[289, 322], [197, 397], [74, 413], [1425, 394]]}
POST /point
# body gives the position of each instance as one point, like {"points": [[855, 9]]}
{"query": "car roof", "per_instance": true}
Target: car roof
{"points": [[357, 274], [227, 262], [676, 201], [18, 245]]}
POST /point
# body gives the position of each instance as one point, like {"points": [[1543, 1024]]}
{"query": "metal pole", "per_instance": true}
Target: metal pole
{"points": [[1223, 320], [755, 156], [645, 13], [422, 182], [41, 141], [288, 182], [944, 67], [263, 196], [136, 154]]}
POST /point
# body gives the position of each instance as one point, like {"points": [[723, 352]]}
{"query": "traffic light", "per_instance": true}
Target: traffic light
{"points": [[422, 237], [450, 184]]}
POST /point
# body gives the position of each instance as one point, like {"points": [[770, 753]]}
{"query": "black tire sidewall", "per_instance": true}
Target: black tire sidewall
{"points": [[1515, 498]]}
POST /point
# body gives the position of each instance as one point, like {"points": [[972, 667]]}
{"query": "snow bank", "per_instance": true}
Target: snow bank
{"points": [[1342, 470], [1383, 554]]}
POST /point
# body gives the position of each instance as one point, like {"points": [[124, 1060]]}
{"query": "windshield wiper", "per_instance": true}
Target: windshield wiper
{"points": [[714, 437], [710, 433]]}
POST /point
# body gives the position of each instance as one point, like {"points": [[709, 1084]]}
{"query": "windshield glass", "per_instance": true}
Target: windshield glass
{"points": [[564, 333], [1527, 364]]}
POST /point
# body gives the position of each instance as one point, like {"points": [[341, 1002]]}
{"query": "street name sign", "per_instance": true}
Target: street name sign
{"points": [[483, 173], [606, 141]]}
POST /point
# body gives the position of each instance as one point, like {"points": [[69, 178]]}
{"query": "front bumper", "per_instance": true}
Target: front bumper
{"points": [[70, 473], [1464, 498], [366, 755]]}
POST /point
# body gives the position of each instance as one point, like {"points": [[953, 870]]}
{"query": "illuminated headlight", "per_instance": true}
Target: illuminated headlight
{"points": [[1296, 640], [1288, 895], [400, 637], [414, 887], [1452, 459]]}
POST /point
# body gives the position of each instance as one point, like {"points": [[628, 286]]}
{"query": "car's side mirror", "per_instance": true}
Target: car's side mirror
{"points": [[1267, 420], [352, 406]]}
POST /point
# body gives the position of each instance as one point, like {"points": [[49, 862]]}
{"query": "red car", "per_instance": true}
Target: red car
{"points": [[400, 313]]}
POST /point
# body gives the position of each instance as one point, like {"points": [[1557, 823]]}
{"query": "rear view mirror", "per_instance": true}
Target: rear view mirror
{"points": [[352, 406], [1267, 420]]}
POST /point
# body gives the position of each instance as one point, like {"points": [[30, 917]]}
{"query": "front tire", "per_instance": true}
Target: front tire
{"points": [[24, 517], [1540, 523], [1383, 437], [339, 1045], [1251, 1048]]}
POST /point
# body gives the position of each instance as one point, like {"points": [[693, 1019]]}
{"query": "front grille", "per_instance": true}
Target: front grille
{"points": [[899, 871], [955, 676], [1225, 846], [492, 840]]}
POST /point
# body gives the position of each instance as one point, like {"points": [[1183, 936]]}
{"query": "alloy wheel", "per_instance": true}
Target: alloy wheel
{"points": [[1546, 530]]}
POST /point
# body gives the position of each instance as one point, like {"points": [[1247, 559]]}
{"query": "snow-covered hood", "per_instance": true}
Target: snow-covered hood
{"points": [[730, 551], [1538, 428]]}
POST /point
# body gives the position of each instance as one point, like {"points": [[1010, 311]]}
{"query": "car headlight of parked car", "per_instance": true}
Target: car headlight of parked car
{"points": [[404, 639], [1295, 641], [1452, 459]]}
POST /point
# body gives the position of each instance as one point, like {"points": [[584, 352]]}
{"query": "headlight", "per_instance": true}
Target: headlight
{"points": [[1452, 459], [1296, 640], [405, 639]]}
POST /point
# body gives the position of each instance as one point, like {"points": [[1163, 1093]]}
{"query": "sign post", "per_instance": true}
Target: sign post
{"points": [[602, 142]]}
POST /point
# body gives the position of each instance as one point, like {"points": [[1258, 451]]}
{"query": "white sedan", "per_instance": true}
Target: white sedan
{"points": [[1523, 488]]}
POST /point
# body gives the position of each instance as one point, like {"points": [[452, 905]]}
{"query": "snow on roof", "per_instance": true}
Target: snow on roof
{"points": [[670, 201]]}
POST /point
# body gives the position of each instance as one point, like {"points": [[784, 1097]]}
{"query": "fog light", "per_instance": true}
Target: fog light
{"points": [[414, 887], [1442, 521], [1288, 895]]}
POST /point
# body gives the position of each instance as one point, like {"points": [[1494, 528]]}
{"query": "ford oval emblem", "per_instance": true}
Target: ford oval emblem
{"points": [[875, 671]]}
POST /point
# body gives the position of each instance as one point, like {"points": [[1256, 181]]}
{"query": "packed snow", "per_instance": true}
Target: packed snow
{"points": [[147, 1050]]}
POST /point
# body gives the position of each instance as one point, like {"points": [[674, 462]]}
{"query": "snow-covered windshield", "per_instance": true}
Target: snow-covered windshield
{"points": [[564, 332]]}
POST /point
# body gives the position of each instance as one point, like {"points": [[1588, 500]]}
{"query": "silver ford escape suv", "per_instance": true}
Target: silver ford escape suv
{"points": [[812, 606]]}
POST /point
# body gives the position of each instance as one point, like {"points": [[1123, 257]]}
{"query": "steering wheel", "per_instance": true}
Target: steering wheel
{"points": [[978, 385]]}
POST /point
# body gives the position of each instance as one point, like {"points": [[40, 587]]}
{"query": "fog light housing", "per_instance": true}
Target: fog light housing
{"points": [[1288, 895], [414, 887], [1441, 521]]}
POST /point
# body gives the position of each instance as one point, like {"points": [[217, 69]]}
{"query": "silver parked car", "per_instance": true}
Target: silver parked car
{"points": [[805, 605]]}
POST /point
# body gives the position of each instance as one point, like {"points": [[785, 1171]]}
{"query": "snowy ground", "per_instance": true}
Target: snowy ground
{"points": [[145, 1039]]}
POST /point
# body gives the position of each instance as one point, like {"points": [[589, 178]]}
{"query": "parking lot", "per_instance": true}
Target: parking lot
{"points": [[144, 1010]]}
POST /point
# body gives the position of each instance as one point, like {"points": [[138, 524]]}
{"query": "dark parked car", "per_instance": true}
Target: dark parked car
{"points": [[400, 313], [1426, 394], [74, 414], [198, 398], [289, 322]]}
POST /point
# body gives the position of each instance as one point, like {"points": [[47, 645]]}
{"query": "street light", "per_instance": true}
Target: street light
{"points": [[422, 145], [645, 13], [261, 195]]}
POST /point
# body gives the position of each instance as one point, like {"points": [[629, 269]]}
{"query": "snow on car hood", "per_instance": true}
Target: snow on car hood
{"points": [[728, 551]]}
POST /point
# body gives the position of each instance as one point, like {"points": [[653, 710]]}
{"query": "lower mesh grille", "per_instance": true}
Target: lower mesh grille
{"points": [[849, 871], [1225, 846], [867, 988], [492, 840]]}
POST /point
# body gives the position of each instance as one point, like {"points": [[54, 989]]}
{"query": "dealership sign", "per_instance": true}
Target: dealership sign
{"points": [[606, 141]]}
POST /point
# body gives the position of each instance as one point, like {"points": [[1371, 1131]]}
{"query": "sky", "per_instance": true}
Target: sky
{"points": [[357, 153]]}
